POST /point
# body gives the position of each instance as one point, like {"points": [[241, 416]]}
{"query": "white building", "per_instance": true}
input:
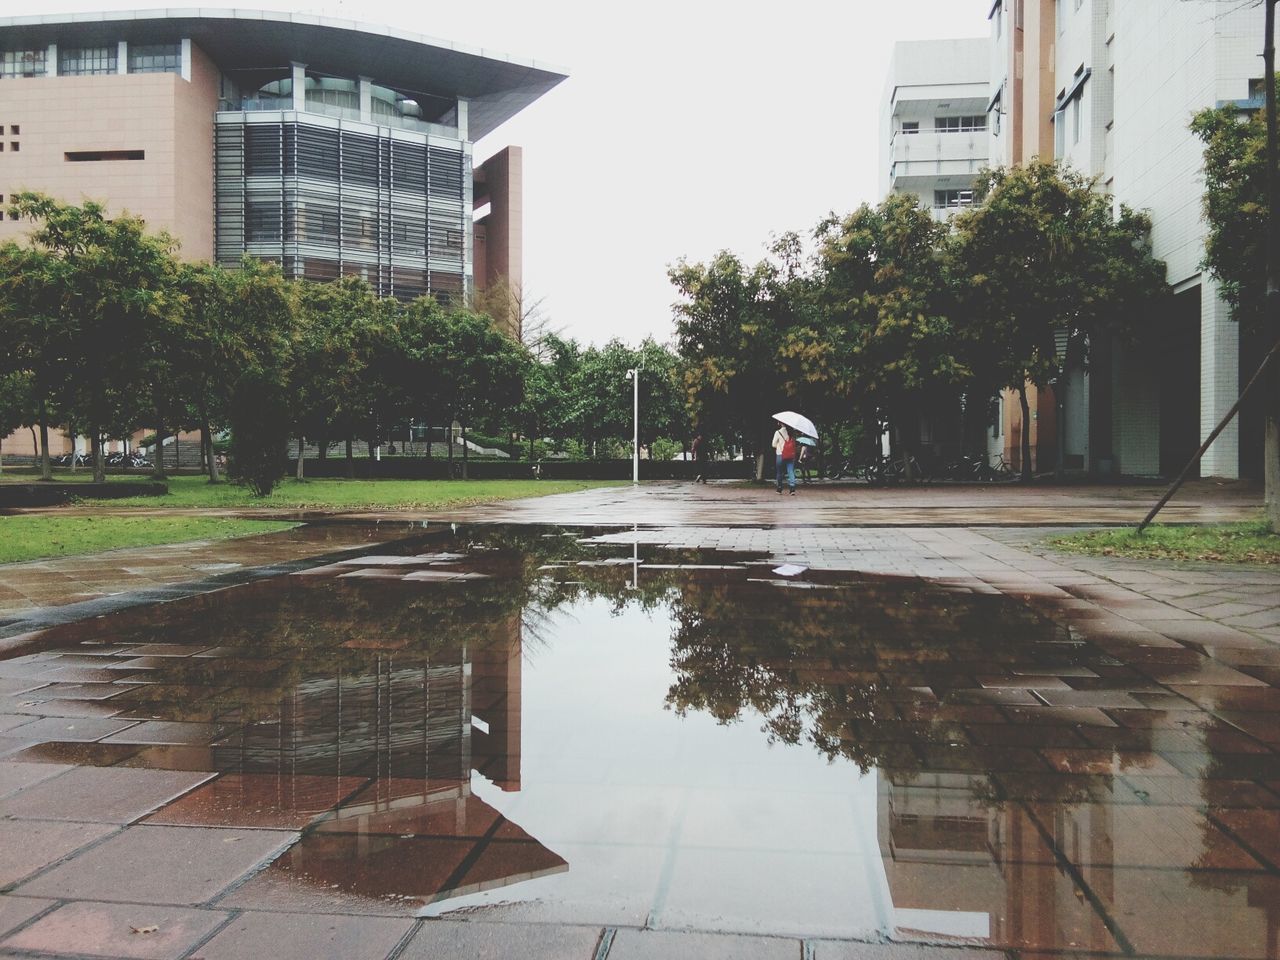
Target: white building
{"points": [[933, 129], [1110, 87]]}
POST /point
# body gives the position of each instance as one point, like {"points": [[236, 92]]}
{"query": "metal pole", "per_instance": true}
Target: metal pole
{"points": [[1271, 396], [1266, 362], [635, 440]]}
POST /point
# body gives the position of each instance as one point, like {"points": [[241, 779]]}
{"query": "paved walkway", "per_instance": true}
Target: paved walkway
{"points": [[89, 871]]}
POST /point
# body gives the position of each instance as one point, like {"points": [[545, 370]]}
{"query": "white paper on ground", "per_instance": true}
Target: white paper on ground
{"points": [[789, 569]]}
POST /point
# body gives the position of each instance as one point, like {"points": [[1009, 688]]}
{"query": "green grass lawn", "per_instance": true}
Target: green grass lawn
{"points": [[352, 494], [1249, 542], [31, 537]]}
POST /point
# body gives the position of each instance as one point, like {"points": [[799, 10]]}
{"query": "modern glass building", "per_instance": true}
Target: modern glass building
{"points": [[331, 147]]}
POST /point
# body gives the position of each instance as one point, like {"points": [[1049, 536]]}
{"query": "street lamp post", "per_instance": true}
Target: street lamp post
{"points": [[634, 376]]}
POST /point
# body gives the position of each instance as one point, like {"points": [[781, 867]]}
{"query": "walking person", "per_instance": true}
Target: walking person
{"points": [[784, 446], [804, 462], [696, 451]]}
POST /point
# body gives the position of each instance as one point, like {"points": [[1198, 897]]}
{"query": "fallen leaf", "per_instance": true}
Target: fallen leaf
{"points": [[145, 930]]}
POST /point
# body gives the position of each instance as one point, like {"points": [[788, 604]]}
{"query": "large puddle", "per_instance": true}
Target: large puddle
{"points": [[520, 724]]}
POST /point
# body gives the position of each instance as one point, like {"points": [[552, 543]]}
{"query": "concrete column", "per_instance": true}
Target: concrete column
{"points": [[1219, 381], [51, 61], [122, 57], [462, 119], [299, 86], [185, 66], [366, 99]]}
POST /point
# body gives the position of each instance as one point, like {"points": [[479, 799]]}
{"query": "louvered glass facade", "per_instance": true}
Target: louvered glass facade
{"points": [[327, 198]]}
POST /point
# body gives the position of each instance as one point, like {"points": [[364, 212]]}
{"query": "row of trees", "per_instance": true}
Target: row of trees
{"points": [[896, 314], [108, 332]]}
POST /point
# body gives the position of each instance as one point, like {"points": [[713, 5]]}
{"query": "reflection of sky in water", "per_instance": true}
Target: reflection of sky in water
{"points": [[1030, 787], [675, 822]]}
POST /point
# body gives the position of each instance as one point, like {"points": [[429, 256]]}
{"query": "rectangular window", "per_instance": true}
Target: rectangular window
{"points": [[86, 61], [91, 156], [960, 124], [952, 199], [1075, 120], [1059, 135], [22, 63], [14, 130], [910, 126], [155, 58]]}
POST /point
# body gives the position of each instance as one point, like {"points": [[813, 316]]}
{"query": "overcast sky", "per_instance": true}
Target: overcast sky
{"points": [[685, 127]]}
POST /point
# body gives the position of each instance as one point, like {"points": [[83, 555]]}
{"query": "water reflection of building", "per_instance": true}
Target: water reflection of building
{"points": [[400, 739], [1108, 873]]}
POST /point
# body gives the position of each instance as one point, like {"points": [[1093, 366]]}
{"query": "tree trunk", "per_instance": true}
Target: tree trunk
{"points": [[157, 468], [74, 465], [1060, 426], [177, 454], [302, 442], [46, 467], [206, 438], [322, 450], [99, 461], [532, 450], [1026, 432], [1271, 454], [464, 451], [450, 428], [351, 460]]}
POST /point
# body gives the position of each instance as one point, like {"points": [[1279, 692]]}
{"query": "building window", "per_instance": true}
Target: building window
{"points": [[1075, 120], [960, 124], [952, 199], [155, 58], [910, 126], [95, 156], [86, 61], [22, 63], [1059, 135]]}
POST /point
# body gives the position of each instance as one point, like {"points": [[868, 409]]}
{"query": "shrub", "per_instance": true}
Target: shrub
{"points": [[259, 416]]}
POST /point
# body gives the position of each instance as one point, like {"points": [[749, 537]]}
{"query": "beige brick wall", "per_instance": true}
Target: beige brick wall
{"points": [[168, 118]]}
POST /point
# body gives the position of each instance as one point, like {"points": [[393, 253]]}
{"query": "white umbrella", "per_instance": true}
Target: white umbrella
{"points": [[797, 422]]}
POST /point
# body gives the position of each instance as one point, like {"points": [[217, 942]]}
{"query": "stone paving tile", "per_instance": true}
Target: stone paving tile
{"points": [[14, 775], [665, 945], [181, 866], [292, 936], [258, 800], [852, 950], [15, 911], [498, 941], [106, 929], [102, 795], [28, 846]]}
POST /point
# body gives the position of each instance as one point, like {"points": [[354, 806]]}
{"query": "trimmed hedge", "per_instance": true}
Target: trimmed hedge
{"points": [[420, 468]]}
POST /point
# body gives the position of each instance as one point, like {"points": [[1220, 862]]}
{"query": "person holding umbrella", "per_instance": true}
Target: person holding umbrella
{"points": [[804, 457], [784, 447], [790, 424]]}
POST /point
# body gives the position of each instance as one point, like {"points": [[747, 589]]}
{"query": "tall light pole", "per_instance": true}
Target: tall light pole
{"points": [[634, 376], [1271, 389]]}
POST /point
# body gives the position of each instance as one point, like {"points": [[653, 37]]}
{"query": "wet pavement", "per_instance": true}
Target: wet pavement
{"points": [[527, 742]]}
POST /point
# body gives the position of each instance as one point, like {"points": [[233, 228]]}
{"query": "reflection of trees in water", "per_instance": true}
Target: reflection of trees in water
{"points": [[830, 666]]}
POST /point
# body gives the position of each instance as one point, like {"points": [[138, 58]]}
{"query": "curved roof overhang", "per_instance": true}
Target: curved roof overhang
{"points": [[497, 86]]}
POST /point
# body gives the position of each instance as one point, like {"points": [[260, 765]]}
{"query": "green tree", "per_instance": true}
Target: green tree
{"points": [[884, 290], [38, 337], [16, 404], [260, 304], [109, 287], [1235, 206], [729, 337], [1042, 258]]}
